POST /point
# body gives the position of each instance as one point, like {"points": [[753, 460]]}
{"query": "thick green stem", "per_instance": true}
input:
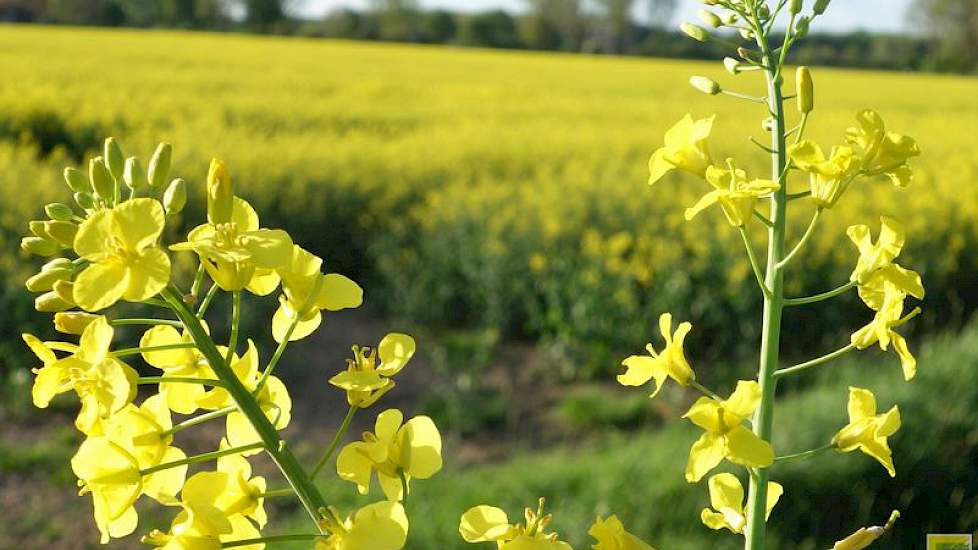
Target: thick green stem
{"points": [[763, 422], [336, 440], [275, 446]]}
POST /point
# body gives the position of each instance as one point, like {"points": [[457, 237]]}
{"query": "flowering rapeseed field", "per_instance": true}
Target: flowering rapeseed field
{"points": [[490, 188]]}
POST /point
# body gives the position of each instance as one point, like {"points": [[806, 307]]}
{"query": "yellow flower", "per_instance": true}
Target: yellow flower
{"points": [[103, 384], [866, 536], [231, 489], [736, 196], [111, 475], [202, 526], [490, 524], [189, 363], [610, 534], [412, 450], [670, 363], [124, 260], [727, 500], [867, 431], [301, 277], [829, 177], [377, 526], [273, 398], [873, 256], [882, 152], [685, 148], [142, 432], [725, 435], [887, 298], [364, 381], [238, 254]]}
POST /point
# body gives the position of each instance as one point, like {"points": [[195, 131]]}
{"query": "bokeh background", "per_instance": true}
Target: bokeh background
{"points": [[480, 168]]}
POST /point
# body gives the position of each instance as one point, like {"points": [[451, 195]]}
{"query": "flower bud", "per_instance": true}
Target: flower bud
{"points": [[710, 18], [795, 6], [114, 159], [85, 200], [695, 32], [72, 322], [159, 165], [729, 18], [57, 263], [711, 2], [63, 232], [746, 34], [802, 26], [76, 180], [101, 180], [50, 302], [732, 65], [821, 6], [175, 197], [44, 280], [58, 211], [133, 174], [705, 85], [39, 230], [220, 194], [767, 124], [763, 11], [804, 90], [65, 290]]}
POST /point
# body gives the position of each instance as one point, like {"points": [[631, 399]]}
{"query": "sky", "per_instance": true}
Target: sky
{"points": [[843, 15]]}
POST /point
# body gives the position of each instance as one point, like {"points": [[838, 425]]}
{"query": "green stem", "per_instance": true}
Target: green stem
{"points": [[275, 446], [235, 325], [273, 362], [161, 322], [704, 390], [804, 239], [179, 380], [763, 422], [404, 486], [275, 493], [814, 362], [743, 96], [196, 459], [336, 441], [755, 265], [206, 302], [805, 454], [197, 420], [820, 297], [274, 538], [198, 280], [148, 349]]}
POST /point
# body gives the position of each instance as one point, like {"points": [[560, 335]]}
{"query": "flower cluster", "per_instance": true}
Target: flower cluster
{"points": [[109, 249]]}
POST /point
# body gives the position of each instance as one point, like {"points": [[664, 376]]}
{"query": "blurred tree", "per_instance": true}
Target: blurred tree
{"points": [[616, 26], [399, 19], [660, 12], [953, 25], [264, 14], [438, 27], [491, 29], [553, 25]]}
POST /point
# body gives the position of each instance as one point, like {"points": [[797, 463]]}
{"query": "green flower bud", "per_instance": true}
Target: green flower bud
{"points": [[695, 32], [76, 180], [159, 165], [57, 263], [44, 280], [747, 34], [729, 18], [763, 11], [705, 85], [73, 322], [732, 65], [175, 197], [821, 6], [115, 161], [39, 247], [58, 211], [804, 90], [39, 230], [101, 180], [63, 232], [85, 200], [802, 26], [710, 18], [133, 174], [711, 2], [220, 193], [50, 302], [65, 290], [795, 7]]}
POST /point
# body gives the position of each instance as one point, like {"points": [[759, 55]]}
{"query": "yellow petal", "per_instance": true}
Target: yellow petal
{"points": [[166, 336], [420, 446], [744, 399], [378, 526], [357, 381], [774, 492], [148, 275], [92, 236], [726, 492], [339, 292], [641, 369], [706, 454], [395, 350], [96, 340], [164, 485], [353, 464], [705, 413], [907, 361], [269, 248], [484, 524], [746, 449], [100, 285]]}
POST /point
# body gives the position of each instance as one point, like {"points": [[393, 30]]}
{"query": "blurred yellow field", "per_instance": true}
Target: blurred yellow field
{"points": [[476, 187]]}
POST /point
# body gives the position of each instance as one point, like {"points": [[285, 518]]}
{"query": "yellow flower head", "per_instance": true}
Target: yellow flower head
{"points": [[103, 383], [120, 246], [610, 534], [490, 524], [670, 363], [273, 398], [365, 381], [307, 291], [875, 255], [111, 475], [685, 148], [393, 450], [377, 526], [727, 500], [735, 194], [202, 526], [238, 253], [887, 298], [882, 152], [725, 434], [867, 431], [231, 489], [829, 177], [189, 363]]}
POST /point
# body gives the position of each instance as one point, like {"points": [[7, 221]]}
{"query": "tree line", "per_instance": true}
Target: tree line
{"points": [[944, 37]]}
